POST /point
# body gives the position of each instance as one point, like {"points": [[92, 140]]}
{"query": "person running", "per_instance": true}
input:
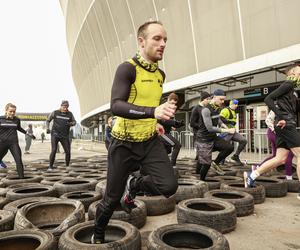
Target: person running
{"points": [[168, 140], [9, 124], [194, 121], [63, 119], [135, 98], [28, 138], [272, 138], [228, 117], [283, 102], [207, 141]]}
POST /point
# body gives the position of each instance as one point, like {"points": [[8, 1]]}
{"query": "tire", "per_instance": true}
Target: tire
{"points": [[188, 189], [213, 183], [3, 202], [158, 205], [213, 213], [53, 216], [6, 220], [274, 188], [51, 180], [119, 236], [293, 185], [15, 205], [243, 202], [14, 179], [31, 239], [95, 176], [230, 171], [74, 184], [85, 197], [225, 179], [77, 172], [100, 187], [30, 191], [186, 236], [258, 192], [137, 217]]}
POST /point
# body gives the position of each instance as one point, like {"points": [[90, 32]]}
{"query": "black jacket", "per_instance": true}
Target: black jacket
{"points": [[8, 129]]}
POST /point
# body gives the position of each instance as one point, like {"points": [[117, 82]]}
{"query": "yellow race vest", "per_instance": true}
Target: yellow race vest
{"points": [[145, 91]]}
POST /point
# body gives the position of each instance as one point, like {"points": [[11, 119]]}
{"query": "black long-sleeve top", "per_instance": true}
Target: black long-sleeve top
{"points": [[124, 78], [8, 129], [283, 102], [62, 121]]}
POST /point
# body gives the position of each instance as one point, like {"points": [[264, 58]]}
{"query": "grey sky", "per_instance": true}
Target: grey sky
{"points": [[34, 60]]}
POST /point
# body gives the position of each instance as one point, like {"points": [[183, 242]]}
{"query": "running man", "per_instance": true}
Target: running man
{"points": [[9, 124], [207, 141], [28, 138], [135, 98], [171, 144], [283, 102], [228, 116], [63, 119]]}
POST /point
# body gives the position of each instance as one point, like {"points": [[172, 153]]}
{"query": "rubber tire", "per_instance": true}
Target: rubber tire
{"points": [[244, 206], [13, 194], [73, 218], [85, 197], [183, 237], [274, 188], [14, 179], [189, 189], [223, 220], [6, 220], [61, 187], [158, 205], [137, 217], [15, 239], [213, 183], [15, 205], [258, 192], [293, 185], [132, 239]]}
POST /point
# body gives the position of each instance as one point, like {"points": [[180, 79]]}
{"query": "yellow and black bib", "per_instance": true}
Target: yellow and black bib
{"points": [[145, 91]]}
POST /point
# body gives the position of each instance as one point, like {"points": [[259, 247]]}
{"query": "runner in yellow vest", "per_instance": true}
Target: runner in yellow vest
{"points": [[135, 99], [228, 116]]}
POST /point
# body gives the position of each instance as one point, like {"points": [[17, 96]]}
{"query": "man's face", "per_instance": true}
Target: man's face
{"points": [[10, 112], [153, 45], [64, 108], [234, 106], [296, 72], [219, 100], [206, 101]]}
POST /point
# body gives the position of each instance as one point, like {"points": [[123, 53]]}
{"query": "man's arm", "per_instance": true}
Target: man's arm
{"points": [[283, 89], [124, 77], [194, 118], [73, 121], [206, 114]]}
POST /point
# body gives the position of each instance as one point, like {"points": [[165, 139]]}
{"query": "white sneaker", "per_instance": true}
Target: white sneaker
{"points": [[289, 177]]}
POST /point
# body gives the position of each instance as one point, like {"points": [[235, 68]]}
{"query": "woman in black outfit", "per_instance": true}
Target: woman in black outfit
{"points": [[9, 124]]}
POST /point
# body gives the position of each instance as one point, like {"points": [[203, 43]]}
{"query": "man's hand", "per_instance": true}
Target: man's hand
{"points": [[165, 111], [33, 137], [281, 124], [48, 131], [228, 130], [160, 129]]}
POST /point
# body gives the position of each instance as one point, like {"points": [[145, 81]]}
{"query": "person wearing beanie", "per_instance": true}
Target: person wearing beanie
{"points": [[283, 102], [207, 140], [63, 120], [196, 112], [228, 116]]}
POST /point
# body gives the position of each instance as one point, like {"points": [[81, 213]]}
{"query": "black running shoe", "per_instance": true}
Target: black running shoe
{"points": [[127, 200]]}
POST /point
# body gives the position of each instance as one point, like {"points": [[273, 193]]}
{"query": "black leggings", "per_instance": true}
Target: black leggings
{"points": [[157, 175], [65, 142], [15, 150]]}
